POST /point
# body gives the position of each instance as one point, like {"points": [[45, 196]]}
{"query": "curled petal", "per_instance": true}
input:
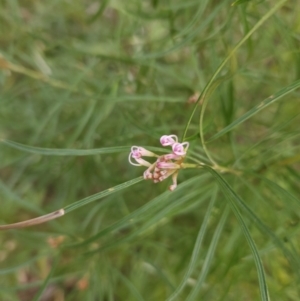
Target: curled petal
{"points": [[135, 153], [168, 140], [138, 152], [140, 161], [180, 149]]}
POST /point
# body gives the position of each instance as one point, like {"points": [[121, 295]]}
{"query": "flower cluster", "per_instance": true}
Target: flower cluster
{"points": [[165, 165]]}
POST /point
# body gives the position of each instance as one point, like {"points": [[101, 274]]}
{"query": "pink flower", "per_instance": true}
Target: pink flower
{"points": [[166, 140], [137, 153], [179, 149], [165, 165]]}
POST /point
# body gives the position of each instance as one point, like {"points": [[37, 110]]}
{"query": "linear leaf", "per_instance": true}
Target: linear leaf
{"points": [[285, 194], [19, 201], [149, 209], [152, 221], [14, 269], [209, 257], [101, 195], [203, 96], [131, 287], [268, 101], [232, 197], [197, 248], [260, 225], [39, 294], [64, 151]]}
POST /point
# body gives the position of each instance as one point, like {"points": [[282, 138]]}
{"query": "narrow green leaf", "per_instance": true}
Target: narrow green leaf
{"points": [[142, 213], [14, 269], [167, 211], [65, 151], [131, 287], [257, 221], [234, 200], [257, 259], [206, 91], [285, 194], [156, 219], [99, 12], [209, 257], [101, 195], [196, 250], [46, 281], [20, 202], [268, 101], [293, 259]]}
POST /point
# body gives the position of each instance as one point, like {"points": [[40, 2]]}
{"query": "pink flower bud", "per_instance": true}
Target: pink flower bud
{"points": [[165, 175], [140, 161], [138, 152], [168, 140], [147, 175], [148, 172], [179, 149]]}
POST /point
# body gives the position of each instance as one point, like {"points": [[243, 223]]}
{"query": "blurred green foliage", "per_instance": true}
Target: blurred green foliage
{"points": [[82, 81]]}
